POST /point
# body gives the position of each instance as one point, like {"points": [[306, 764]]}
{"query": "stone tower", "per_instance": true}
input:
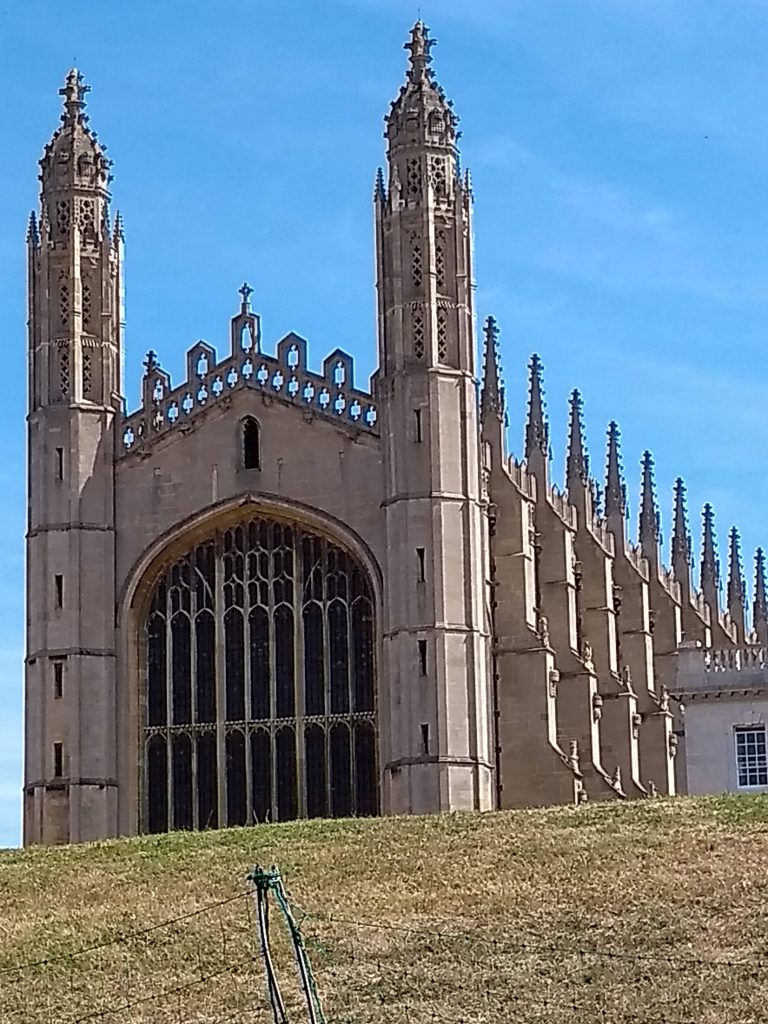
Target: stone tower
{"points": [[74, 349], [435, 643]]}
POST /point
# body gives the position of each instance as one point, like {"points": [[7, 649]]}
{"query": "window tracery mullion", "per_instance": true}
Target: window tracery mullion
{"points": [[299, 668], [168, 705], [221, 681], [273, 674]]}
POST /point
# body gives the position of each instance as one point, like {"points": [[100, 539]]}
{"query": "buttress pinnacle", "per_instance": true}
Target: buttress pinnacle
{"points": [[736, 586], [492, 396], [536, 428], [577, 460], [681, 538], [615, 490], [710, 569], [760, 606], [649, 526]]}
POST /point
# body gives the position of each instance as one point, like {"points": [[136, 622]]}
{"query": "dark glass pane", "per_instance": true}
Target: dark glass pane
{"points": [[204, 576], [181, 665], [287, 795], [157, 697], [365, 769], [181, 767], [339, 657], [314, 757], [251, 452], [237, 801], [284, 684], [157, 784], [362, 643], [207, 782], [341, 772], [258, 623], [205, 682], [314, 669], [261, 774], [235, 667]]}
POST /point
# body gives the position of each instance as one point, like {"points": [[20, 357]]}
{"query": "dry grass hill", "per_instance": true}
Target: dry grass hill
{"points": [[653, 911]]}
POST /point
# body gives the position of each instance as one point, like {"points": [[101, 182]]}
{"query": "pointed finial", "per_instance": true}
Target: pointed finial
{"points": [[649, 526], [737, 590], [74, 103], [577, 460], [492, 396], [681, 539], [536, 428], [33, 235], [150, 362], [736, 586], [245, 292], [760, 606], [615, 489], [117, 231], [710, 569], [420, 58], [379, 189]]}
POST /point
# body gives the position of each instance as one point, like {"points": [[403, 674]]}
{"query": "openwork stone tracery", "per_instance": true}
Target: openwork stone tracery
{"points": [[260, 689]]}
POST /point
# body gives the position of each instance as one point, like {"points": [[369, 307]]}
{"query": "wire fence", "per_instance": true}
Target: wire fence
{"points": [[210, 970]]}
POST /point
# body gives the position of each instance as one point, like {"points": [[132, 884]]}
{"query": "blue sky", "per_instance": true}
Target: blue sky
{"points": [[619, 154]]}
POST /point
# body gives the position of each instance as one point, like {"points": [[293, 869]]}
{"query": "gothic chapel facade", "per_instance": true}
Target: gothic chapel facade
{"points": [[258, 640]]}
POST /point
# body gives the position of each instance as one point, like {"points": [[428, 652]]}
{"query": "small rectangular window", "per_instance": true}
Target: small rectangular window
{"points": [[58, 590], [58, 680], [58, 760], [423, 657], [417, 414], [751, 757], [421, 564], [425, 739], [59, 463]]}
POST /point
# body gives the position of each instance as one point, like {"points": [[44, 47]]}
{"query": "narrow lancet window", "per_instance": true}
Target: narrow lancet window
{"points": [[59, 463], [251, 444], [423, 657], [420, 560], [58, 590], [58, 680], [58, 760]]}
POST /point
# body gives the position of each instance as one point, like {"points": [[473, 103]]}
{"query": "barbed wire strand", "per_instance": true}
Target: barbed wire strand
{"points": [[164, 993], [121, 937], [530, 947]]}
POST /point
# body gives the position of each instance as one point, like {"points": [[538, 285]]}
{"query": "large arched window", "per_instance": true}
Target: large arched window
{"points": [[259, 682]]}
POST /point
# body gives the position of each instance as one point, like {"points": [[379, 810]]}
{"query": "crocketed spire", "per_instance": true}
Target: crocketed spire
{"points": [[421, 112], [536, 428], [681, 538], [577, 460], [420, 46], [648, 528], [615, 489], [74, 99], [73, 158], [710, 567], [492, 396], [737, 590], [760, 606]]}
